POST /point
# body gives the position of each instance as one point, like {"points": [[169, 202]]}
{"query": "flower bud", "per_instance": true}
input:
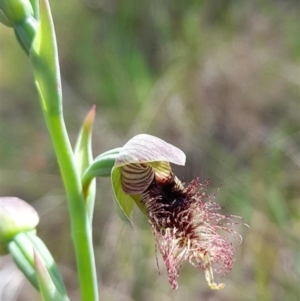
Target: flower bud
{"points": [[15, 216], [15, 11]]}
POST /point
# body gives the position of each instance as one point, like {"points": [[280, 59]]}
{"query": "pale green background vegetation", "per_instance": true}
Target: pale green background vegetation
{"points": [[219, 79]]}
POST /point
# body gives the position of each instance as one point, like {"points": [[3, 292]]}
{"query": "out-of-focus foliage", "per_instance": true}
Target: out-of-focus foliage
{"points": [[220, 80]]}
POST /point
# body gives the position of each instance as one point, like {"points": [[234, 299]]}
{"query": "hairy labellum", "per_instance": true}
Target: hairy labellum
{"points": [[185, 221]]}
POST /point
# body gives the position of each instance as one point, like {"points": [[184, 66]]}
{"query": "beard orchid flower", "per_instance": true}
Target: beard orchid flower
{"points": [[184, 219]]}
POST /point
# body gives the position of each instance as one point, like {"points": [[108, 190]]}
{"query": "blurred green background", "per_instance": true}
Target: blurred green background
{"points": [[219, 79]]}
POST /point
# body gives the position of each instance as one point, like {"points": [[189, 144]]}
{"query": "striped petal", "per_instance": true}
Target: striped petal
{"points": [[145, 148], [136, 178]]}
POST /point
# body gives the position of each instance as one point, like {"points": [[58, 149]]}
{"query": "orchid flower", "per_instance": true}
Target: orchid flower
{"points": [[184, 219]]}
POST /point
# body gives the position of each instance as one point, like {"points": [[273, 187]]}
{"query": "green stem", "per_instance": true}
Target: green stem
{"points": [[44, 58], [80, 225]]}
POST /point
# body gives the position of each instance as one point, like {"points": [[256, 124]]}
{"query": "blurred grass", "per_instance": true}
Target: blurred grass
{"points": [[219, 79]]}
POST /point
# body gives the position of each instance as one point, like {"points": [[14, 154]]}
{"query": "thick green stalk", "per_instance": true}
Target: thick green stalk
{"points": [[44, 58], [80, 225]]}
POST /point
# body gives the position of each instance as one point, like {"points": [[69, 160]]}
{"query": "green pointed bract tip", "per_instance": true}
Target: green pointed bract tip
{"points": [[47, 287], [84, 158], [140, 160], [16, 216], [83, 148]]}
